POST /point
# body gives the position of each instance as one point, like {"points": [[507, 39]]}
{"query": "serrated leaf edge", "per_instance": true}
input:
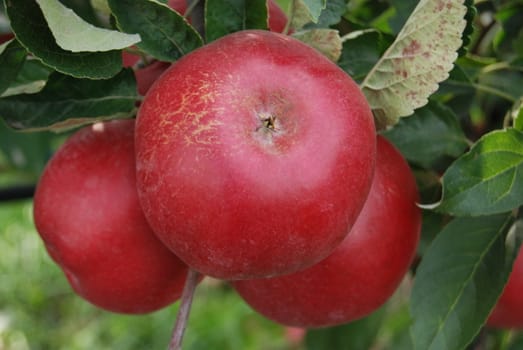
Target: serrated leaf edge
{"points": [[61, 37], [486, 179], [382, 119]]}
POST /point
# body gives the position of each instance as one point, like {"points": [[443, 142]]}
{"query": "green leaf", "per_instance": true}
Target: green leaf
{"points": [[85, 10], [396, 325], [12, 59], [361, 50], [25, 151], [72, 33], [459, 280], [404, 7], [223, 17], [330, 15], [66, 102], [501, 83], [429, 185], [357, 335], [510, 17], [305, 12], [420, 58], [431, 224], [458, 83], [32, 78], [402, 11], [469, 28], [431, 133], [101, 6], [29, 24], [488, 179], [4, 23], [517, 115], [165, 34], [326, 41], [314, 7]]}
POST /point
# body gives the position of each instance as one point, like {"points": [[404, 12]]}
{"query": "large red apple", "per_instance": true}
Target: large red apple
{"points": [[276, 17], [508, 312], [255, 154], [364, 271], [87, 212]]}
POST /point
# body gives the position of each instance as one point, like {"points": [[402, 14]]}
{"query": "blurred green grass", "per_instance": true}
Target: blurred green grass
{"points": [[38, 309]]}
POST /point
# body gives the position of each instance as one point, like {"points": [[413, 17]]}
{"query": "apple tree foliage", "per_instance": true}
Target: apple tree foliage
{"points": [[444, 80]]}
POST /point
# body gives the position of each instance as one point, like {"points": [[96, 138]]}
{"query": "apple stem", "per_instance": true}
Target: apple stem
{"points": [[185, 307]]}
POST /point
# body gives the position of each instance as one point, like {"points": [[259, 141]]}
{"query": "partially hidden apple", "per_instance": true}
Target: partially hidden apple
{"points": [[277, 19], [146, 76], [255, 154], [129, 59], [4, 37], [508, 312], [364, 271], [87, 212]]}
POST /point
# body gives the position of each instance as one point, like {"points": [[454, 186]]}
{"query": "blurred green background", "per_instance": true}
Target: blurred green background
{"points": [[39, 311]]}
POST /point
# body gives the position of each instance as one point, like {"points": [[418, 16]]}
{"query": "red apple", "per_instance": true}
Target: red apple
{"points": [[364, 271], [508, 312], [179, 6], [129, 59], [4, 37], [277, 18], [87, 212], [146, 76], [255, 154]]}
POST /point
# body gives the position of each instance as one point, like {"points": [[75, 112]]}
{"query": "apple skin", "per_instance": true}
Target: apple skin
{"points": [[508, 312], [6, 37], [146, 76], [129, 59], [277, 18], [234, 194], [364, 271], [87, 212]]}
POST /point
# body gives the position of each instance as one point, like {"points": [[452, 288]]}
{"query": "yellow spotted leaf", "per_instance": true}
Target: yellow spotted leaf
{"points": [[327, 41], [417, 61]]}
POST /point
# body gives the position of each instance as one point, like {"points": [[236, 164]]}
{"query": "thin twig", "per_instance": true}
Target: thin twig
{"points": [[184, 310]]}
